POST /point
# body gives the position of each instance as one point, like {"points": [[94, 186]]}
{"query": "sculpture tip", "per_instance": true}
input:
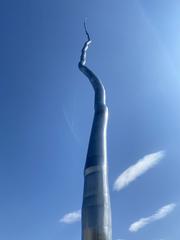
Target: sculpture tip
{"points": [[85, 28]]}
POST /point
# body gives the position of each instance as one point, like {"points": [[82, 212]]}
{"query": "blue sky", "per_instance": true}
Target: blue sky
{"points": [[47, 110]]}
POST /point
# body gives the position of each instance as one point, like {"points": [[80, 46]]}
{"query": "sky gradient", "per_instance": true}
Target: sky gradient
{"points": [[47, 111]]}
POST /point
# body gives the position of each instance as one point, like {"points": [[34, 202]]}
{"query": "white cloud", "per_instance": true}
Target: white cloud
{"points": [[71, 217], [161, 213], [134, 171]]}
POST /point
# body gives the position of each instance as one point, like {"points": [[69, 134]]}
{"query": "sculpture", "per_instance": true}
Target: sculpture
{"points": [[96, 208]]}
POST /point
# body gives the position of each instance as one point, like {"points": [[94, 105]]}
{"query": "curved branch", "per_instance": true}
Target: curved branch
{"points": [[100, 95]]}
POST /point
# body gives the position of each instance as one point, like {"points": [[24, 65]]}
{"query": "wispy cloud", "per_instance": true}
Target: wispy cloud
{"points": [[161, 213], [136, 170], [71, 217]]}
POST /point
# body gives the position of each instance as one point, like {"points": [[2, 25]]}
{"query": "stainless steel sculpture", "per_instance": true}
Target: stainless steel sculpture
{"points": [[96, 208]]}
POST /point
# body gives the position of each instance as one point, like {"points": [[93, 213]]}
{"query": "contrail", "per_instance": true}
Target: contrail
{"points": [[71, 126]]}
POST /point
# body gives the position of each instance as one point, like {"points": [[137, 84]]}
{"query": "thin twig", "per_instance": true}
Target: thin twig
{"points": [[85, 47]]}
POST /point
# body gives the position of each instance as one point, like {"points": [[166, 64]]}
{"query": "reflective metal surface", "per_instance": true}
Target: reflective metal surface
{"points": [[96, 209]]}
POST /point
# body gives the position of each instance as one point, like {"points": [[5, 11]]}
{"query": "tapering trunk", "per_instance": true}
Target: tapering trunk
{"points": [[96, 209]]}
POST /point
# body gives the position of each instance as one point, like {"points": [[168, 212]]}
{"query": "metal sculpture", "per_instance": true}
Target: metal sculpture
{"points": [[96, 208]]}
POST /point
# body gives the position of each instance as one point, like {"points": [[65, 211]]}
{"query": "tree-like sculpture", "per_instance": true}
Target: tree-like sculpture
{"points": [[96, 208]]}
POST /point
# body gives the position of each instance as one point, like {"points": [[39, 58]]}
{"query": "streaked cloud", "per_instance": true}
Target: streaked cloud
{"points": [[136, 170], [71, 217], [161, 213]]}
